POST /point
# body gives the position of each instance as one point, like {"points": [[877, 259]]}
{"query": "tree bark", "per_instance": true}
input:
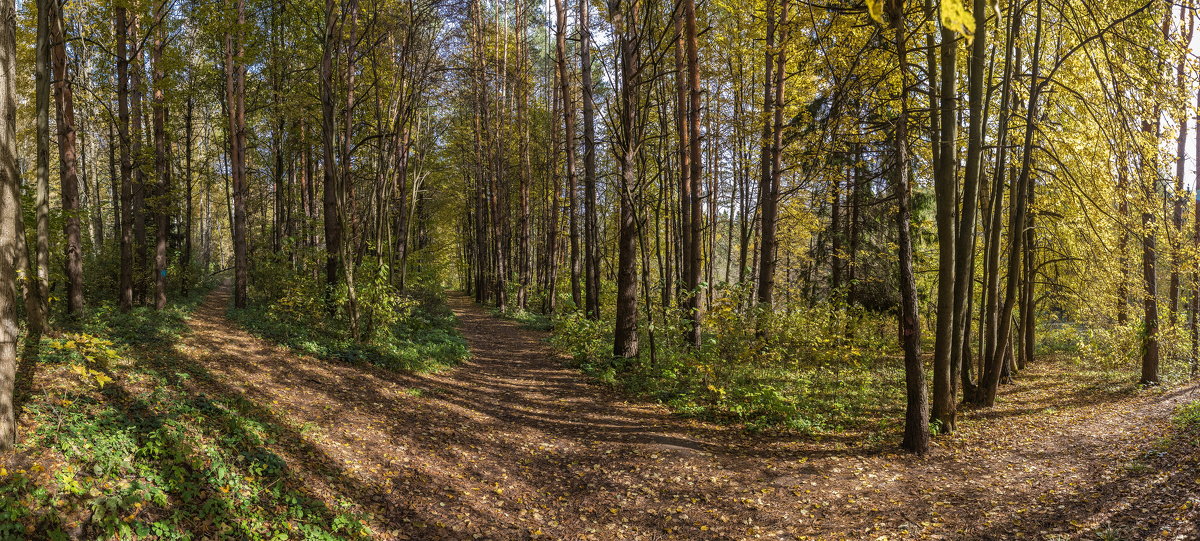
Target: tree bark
{"points": [[38, 318], [162, 167], [235, 95], [995, 365], [625, 23], [916, 419], [332, 221], [10, 217], [126, 199], [64, 101], [772, 170], [185, 262], [139, 172], [692, 309], [568, 116], [591, 233], [946, 194], [964, 248]]}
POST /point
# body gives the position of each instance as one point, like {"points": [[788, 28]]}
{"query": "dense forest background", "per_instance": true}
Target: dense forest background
{"points": [[801, 217], [700, 188]]}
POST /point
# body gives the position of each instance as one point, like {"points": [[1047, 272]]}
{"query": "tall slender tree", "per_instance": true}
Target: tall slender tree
{"points": [[68, 161], [10, 217], [625, 25], [591, 234]]}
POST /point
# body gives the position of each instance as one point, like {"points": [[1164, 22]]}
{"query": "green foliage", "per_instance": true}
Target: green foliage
{"points": [[402, 332], [1116, 349], [1187, 416], [823, 368], [156, 453], [528, 319], [88, 355]]}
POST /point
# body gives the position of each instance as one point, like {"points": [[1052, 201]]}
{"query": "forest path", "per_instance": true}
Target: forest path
{"points": [[514, 444]]}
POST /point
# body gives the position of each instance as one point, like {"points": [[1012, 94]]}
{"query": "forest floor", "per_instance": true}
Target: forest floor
{"points": [[515, 444]]}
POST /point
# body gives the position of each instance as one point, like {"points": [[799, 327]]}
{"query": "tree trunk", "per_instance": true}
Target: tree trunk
{"points": [[964, 248], [332, 221], [126, 199], [345, 199], [162, 167], [768, 187], [1195, 323], [1150, 285], [995, 365], [683, 125], [693, 201], [946, 194], [185, 262], [139, 173], [568, 112], [524, 266], [1028, 300], [235, 95], [1181, 148], [38, 319], [916, 419], [64, 101], [625, 22], [10, 217], [591, 232]]}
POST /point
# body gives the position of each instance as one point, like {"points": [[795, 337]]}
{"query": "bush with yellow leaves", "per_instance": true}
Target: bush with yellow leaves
{"points": [[88, 355]]}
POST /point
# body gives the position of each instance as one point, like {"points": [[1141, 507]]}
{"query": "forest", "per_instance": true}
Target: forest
{"points": [[582, 269]]}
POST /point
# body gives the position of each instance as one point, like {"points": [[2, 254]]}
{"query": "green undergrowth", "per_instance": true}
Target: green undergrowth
{"points": [[527, 318], [422, 343], [405, 332], [816, 371], [825, 369], [1187, 417], [123, 437]]}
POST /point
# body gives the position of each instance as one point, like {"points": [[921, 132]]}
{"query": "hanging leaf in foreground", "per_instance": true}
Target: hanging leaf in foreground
{"points": [[956, 18]]}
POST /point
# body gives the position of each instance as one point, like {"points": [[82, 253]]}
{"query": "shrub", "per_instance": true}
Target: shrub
{"points": [[824, 367], [397, 331]]}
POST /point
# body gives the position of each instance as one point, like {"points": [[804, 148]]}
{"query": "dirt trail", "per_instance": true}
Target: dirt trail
{"points": [[514, 445]]}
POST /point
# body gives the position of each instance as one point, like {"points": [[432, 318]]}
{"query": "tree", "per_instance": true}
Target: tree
{"points": [[162, 167], [916, 418], [690, 201], [624, 17], [332, 221], [39, 315], [10, 216], [125, 295], [990, 378], [591, 240], [946, 194], [68, 160], [772, 148], [568, 115], [235, 96]]}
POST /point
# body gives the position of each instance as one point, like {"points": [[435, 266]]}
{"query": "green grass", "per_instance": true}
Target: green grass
{"points": [[527, 319], [807, 399], [1187, 416], [805, 377], [163, 450], [426, 341]]}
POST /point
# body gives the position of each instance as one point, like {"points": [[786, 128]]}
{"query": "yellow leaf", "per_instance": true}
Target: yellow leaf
{"points": [[957, 19], [875, 10]]}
